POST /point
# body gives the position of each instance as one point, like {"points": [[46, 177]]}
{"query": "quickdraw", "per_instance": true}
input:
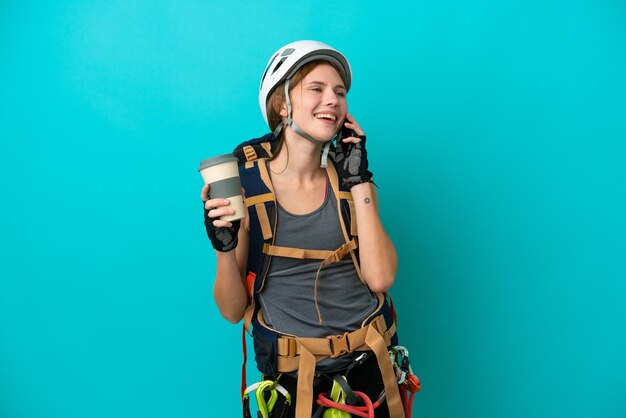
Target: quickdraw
{"points": [[409, 384]]}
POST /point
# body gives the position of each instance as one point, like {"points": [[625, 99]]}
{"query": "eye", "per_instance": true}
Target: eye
{"points": [[317, 89], [341, 93]]}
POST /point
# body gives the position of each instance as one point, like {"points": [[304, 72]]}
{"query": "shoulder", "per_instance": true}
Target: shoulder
{"points": [[261, 147], [252, 178]]}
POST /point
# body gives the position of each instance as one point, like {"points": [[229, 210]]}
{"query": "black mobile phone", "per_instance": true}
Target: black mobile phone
{"points": [[345, 132]]}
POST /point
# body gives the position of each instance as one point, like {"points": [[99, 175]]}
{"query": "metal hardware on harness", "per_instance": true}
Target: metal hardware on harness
{"points": [[399, 356], [264, 404], [336, 257], [339, 345], [343, 250], [412, 383], [292, 347]]}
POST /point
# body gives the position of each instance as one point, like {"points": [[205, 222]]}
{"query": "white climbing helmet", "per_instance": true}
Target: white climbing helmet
{"points": [[288, 59]]}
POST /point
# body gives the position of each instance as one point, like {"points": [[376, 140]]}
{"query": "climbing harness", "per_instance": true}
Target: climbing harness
{"points": [[407, 381], [341, 401]]}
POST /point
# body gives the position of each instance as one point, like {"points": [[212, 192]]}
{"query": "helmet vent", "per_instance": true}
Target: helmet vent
{"points": [[279, 64], [268, 67]]}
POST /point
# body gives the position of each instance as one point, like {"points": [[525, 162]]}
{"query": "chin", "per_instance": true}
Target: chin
{"points": [[327, 135], [324, 138]]}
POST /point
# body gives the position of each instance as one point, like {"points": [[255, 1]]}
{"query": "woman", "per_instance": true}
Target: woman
{"points": [[303, 100]]}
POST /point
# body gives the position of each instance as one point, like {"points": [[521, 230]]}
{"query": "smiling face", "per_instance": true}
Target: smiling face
{"points": [[319, 103]]}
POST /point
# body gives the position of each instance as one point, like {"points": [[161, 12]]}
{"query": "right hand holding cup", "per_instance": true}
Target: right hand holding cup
{"points": [[223, 234]]}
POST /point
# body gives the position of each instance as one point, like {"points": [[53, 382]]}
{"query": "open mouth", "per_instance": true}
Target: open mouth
{"points": [[326, 116]]}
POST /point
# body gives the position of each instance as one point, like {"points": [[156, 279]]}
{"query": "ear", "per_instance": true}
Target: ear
{"points": [[280, 105]]}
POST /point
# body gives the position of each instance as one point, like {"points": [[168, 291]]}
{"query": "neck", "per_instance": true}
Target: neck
{"points": [[298, 158]]}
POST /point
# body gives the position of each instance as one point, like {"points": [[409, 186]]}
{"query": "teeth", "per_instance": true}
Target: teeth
{"points": [[325, 116]]}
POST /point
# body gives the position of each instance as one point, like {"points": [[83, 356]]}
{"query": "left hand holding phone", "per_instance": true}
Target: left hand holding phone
{"points": [[351, 155]]}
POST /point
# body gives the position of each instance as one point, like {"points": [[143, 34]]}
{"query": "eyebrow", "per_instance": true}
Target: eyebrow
{"points": [[321, 83]]}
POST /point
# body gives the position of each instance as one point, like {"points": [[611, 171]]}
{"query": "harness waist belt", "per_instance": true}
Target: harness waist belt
{"points": [[303, 353], [289, 348]]}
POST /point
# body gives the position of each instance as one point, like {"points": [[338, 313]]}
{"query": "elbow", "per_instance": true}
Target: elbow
{"points": [[232, 316], [380, 281], [232, 319], [380, 285], [230, 308], [379, 268]]}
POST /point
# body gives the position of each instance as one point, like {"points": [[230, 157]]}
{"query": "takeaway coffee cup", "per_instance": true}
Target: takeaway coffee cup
{"points": [[222, 176]]}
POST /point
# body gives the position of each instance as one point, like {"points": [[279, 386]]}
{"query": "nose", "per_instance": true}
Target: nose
{"points": [[331, 98]]}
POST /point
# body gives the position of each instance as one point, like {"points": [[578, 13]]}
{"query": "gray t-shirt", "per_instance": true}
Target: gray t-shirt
{"points": [[287, 299]]}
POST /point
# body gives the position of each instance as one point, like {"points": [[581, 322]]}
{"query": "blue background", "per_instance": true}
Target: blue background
{"points": [[496, 133]]}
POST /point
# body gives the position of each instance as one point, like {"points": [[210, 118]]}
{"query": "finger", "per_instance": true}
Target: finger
{"points": [[351, 139], [350, 119], [355, 127], [217, 213], [222, 224], [353, 124], [204, 194], [215, 203]]}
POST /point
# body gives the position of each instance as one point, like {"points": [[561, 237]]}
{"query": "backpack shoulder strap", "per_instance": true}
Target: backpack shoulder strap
{"points": [[253, 149], [259, 194], [347, 214]]}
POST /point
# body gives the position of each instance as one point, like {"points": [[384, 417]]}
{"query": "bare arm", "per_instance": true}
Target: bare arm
{"points": [[377, 255], [229, 290]]}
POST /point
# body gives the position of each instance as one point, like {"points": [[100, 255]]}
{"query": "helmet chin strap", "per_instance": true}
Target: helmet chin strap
{"points": [[290, 122]]}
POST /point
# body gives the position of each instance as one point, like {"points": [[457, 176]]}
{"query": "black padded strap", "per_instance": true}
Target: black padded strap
{"points": [[351, 398]]}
